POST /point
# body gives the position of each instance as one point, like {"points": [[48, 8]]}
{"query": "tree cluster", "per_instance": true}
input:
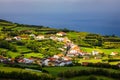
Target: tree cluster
{"points": [[24, 76], [7, 45]]}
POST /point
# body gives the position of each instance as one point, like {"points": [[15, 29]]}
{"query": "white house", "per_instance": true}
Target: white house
{"points": [[28, 61], [61, 34], [17, 38], [113, 53], [95, 52], [62, 64], [32, 35], [8, 39], [56, 56], [45, 62], [40, 37], [60, 39]]}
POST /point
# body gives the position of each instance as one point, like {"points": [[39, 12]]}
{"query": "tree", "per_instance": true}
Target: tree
{"points": [[7, 45]]}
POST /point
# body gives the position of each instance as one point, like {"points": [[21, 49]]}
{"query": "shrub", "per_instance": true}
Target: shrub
{"points": [[24, 76], [92, 78], [98, 72]]}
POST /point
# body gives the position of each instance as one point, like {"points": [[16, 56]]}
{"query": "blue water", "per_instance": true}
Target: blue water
{"points": [[96, 16]]}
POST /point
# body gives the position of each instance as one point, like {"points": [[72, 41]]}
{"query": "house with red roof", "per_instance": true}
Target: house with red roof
{"points": [[61, 34]]}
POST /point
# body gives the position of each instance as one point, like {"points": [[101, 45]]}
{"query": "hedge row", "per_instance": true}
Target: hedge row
{"points": [[98, 72], [23, 66], [24, 76], [103, 65]]}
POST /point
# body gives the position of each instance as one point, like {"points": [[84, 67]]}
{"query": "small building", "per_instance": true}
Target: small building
{"points": [[95, 52], [62, 64], [32, 35], [17, 38], [66, 58], [60, 39], [118, 65], [8, 39], [40, 37], [114, 53], [58, 56], [61, 34], [66, 40]]}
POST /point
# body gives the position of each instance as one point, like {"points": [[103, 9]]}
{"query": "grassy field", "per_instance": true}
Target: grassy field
{"points": [[34, 55], [106, 51], [87, 78], [27, 55], [25, 28], [22, 49], [90, 60], [9, 69], [76, 35]]}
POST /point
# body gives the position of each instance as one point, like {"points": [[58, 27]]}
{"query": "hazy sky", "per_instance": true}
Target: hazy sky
{"points": [[84, 15], [58, 6]]}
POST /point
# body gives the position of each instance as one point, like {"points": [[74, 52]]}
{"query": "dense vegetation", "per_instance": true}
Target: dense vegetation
{"points": [[20, 74], [98, 72], [81, 73], [66, 73], [30, 47], [27, 45], [95, 40]]}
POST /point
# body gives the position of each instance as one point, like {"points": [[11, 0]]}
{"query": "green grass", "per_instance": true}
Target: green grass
{"points": [[22, 49], [106, 51], [72, 34], [1, 64], [27, 55], [90, 60], [34, 55], [76, 34], [9, 69], [10, 53], [24, 28], [114, 63], [86, 78], [13, 54]]}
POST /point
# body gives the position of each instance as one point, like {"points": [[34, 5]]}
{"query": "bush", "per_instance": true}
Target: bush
{"points": [[24, 76], [92, 78], [103, 65], [98, 72], [7, 45]]}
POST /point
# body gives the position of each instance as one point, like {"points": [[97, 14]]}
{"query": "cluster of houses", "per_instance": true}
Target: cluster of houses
{"points": [[69, 50], [26, 37], [38, 37], [56, 60]]}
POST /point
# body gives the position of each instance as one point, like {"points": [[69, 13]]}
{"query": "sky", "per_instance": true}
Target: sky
{"points": [[97, 16]]}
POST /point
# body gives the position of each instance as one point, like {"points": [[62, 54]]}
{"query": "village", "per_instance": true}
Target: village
{"points": [[71, 53]]}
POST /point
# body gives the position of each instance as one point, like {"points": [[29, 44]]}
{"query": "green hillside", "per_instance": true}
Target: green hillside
{"points": [[20, 42]]}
